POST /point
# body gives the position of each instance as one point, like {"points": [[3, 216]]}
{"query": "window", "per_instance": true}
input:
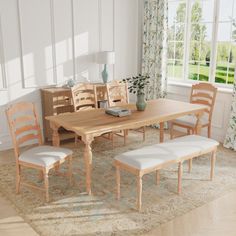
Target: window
{"points": [[202, 40]]}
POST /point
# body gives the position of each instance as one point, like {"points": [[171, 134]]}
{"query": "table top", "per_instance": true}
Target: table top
{"points": [[95, 122]]}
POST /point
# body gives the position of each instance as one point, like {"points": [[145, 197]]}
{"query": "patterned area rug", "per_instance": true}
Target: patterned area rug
{"points": [[71, 212]]}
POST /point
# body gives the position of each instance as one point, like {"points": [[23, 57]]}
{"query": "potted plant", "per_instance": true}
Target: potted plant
{"points": [[137, 85]]}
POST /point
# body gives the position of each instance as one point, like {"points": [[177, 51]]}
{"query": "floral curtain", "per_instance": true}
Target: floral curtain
{"points": [[154, 59], [230, 139]]}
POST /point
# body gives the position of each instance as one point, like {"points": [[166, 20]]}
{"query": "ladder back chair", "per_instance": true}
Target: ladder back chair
{"points": [[204, 94], [118, 95], [84, 96], [24, 127]]}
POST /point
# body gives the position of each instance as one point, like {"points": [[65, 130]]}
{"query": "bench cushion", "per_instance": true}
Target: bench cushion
{"points": [[44, 155], [172, 150]]}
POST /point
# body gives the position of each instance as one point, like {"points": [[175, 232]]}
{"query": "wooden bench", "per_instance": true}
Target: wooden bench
{"points": [[155, 157]]}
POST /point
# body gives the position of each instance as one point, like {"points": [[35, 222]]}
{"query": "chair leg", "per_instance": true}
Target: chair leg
{"points": [[70, 169], [157, 177], [112, 140], [180, 173], [125, 136], [117, 182], [76, 139], [171, 130], [190, 165], [46, 185], [144, 133], [139, 188], [209, 131], [18, 178], [213, 160]]}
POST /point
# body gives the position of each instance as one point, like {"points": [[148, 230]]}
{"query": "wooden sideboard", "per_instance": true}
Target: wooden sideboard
{"points": [[57, 100]]}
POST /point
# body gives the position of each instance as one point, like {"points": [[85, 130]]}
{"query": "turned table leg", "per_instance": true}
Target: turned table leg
{"points": [[55, 134], [88, 164]]}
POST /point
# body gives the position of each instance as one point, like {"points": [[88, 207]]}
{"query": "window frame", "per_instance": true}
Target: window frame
{"points": [[186, 50]]}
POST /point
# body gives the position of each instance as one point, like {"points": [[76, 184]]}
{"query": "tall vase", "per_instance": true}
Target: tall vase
{"points": [[141, 103]]}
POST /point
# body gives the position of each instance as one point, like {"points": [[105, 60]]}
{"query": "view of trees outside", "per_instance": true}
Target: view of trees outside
{"points": [[201, 40]]}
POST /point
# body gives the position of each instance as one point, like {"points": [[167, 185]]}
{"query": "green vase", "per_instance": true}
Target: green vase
{"points": [[141, 103]]}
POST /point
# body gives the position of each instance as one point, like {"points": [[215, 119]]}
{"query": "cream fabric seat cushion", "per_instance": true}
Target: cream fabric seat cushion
{"points": [[44, 155], [191, 120], [151, 156]]}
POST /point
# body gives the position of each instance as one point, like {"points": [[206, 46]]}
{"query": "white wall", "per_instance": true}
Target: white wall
{"points": [[46, 42], [221, 112]]}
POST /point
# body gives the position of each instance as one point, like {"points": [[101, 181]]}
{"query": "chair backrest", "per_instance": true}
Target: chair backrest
{"points": [[117, 93], [23, 123], [84, 96], [205, 94]]}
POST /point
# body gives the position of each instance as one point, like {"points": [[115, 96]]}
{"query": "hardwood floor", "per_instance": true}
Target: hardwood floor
{"points": [[216, 218]]}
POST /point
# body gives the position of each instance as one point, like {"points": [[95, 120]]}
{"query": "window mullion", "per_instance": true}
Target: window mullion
{"points": [[214, 42], [187, 37]]}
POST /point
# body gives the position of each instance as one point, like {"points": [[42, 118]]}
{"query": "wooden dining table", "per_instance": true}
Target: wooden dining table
{"points": [[93, 123]]}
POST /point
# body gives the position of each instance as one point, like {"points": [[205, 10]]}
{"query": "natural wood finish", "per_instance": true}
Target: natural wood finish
{"points": [[94, 123], [118, 183], [161, 132], [180, 172], [190, 165], [118, 95], [139, 173], [213, 160], [204, 94], [139, 191], [58, 100], [22, 133], [55, 101], [84, 96], [157, 177]]}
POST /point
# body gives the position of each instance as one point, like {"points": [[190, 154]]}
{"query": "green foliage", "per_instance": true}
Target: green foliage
{"points": [[208, 58], [198, 31], [137, 84]]}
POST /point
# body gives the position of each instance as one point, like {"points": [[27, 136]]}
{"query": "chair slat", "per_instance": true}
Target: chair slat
{"points": [[203, 102], [23, 119], [21, 106], [26, 128], [202, 95], [84, 95], [26, 138]]}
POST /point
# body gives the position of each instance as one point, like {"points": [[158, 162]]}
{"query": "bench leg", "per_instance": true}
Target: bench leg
{"points": [[213, 160], [157, 177], [180, 171], [139, 188], [190, 165], [117, 182]]}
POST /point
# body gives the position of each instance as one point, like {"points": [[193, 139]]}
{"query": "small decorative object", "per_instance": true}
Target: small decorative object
{"points": [[137, 86], [70, 83], [118, 111], [105, 58]]}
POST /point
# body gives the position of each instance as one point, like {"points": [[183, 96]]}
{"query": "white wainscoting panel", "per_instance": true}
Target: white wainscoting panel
{"points": [[44, 43], [36, 36]]}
